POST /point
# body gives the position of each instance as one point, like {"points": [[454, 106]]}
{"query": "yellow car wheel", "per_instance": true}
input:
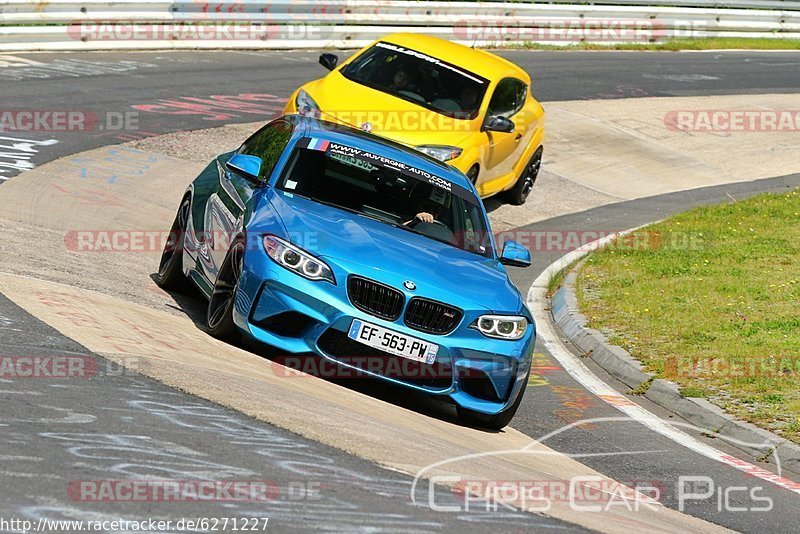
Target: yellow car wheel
{"points": [[472, 174], [518, 194]]}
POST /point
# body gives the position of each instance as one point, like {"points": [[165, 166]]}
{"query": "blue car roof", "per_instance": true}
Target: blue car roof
{"points": [[346, 135]]}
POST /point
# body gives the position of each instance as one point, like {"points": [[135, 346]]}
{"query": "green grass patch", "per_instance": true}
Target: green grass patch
{"points": [[642, 388], [555, 281], [711, 300], [692, 391], [674, 45]]}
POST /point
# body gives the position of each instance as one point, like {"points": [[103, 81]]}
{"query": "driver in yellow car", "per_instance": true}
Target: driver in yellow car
{"points": [[401, 81]]}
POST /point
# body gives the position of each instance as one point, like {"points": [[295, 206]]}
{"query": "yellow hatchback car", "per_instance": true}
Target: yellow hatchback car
{"points": [[461, 105]]}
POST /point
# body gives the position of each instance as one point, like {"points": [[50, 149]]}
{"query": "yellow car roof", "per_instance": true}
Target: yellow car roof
{"points": [[475, 60]]}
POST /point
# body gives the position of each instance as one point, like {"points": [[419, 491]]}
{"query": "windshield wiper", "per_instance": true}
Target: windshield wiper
{"points": [[333, 205], [345, 208], [412, 230]]}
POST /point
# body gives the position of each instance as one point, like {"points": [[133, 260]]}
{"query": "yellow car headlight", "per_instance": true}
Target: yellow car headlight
{"points": [[306, 105], [442, 153]]}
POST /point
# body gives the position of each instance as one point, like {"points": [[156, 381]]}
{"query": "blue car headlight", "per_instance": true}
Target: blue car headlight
{"points": [[296, 259], [501, 326]]}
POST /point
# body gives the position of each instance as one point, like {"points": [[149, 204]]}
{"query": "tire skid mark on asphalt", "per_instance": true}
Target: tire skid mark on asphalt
{"points": [[537, 302]]}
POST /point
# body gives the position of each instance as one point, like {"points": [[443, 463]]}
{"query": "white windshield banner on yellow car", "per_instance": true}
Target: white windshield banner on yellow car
{"points": [[431, 59]]}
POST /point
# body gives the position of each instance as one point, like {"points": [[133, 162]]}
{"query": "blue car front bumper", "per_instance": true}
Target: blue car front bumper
{"points": [[282, 309]]}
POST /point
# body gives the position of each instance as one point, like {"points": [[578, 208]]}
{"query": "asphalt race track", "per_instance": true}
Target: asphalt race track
{"points": [[123, 425], [177, 88]]}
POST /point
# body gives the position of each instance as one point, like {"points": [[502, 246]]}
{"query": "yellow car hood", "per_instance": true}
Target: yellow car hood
{"points": [[347, 102]]}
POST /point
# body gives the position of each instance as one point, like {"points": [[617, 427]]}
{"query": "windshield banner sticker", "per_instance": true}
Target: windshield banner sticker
{"points": [[341, 152], [430, 59]]}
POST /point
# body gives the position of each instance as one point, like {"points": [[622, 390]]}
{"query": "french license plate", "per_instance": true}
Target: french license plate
{"points": [[392, 342]]}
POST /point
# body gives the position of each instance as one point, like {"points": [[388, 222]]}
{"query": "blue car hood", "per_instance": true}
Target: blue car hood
{"points": [[392, 255]]}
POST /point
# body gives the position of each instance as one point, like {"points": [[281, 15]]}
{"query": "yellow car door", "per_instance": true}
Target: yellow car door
{"points": [[505, 149]]}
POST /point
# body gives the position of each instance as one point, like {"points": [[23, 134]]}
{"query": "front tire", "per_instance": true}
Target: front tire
{"points": [[219, 317], [472, 174], [518, 194], [170, 269]]}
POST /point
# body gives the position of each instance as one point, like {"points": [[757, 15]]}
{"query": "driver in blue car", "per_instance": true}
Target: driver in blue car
{"points": [[427, 213], [423, 216]]}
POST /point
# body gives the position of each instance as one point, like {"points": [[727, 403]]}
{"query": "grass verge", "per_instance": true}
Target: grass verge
{"points": [[711, 300], [556, 280]]}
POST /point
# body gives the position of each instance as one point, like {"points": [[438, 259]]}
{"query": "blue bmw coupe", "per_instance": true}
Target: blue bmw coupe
{"points": [[318, 238]]}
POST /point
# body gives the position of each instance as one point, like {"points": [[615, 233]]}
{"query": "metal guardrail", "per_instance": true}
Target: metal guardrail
{"points": [[706, 4], [152, 24]]}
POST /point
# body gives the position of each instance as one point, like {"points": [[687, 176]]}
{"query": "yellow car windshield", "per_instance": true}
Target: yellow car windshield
{"points": [[419, 78]]}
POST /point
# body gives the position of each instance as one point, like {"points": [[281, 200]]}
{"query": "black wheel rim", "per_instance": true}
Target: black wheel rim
{"points": [[175, 239], [531, 173], [225, 287]]}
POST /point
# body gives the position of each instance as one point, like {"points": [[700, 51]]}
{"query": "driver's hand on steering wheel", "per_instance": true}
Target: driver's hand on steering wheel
{"points": [[424, 217]]}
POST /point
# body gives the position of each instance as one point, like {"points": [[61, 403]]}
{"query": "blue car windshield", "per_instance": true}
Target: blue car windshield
{"points": [[388, 191], [419, 78]]}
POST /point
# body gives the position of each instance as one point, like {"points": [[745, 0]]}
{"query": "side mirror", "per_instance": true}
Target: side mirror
{"points": [[496, 123], [329, 61], [248, 167], [515, 255]]}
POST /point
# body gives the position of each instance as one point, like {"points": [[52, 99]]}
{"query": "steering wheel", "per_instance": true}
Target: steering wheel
{"points": [[436, 230], [411, 94], [416, 221]]}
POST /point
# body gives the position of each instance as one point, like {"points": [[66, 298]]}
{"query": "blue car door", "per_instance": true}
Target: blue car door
{"points": [[226, 207]]}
